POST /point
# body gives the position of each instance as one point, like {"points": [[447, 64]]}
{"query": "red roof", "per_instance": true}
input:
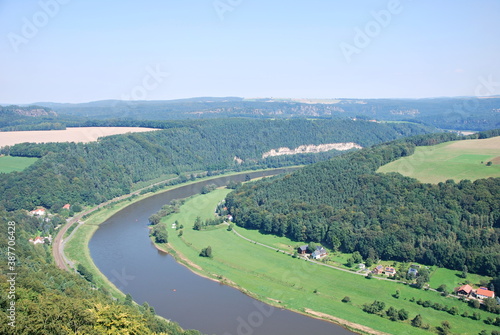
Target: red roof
{"points": [[466, 288], [485, 292], [67, 206]]}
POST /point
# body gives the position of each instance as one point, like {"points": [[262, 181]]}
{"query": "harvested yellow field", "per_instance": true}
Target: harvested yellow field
{"points": [[81, 134]]}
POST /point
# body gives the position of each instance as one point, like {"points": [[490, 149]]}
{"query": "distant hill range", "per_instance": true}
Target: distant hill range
{"points": [[459, 113]]}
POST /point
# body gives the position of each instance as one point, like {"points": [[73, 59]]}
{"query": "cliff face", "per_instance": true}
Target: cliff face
{"points": [[304, 149]]}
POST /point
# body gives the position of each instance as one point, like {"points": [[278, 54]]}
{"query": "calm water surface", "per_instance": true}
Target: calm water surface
{"points": [[122, 250]]}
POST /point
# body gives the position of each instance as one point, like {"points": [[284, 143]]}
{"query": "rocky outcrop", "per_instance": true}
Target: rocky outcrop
{"points": [[304, 149]]}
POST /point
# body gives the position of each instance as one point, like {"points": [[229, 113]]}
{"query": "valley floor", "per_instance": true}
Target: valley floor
{"points": [[293, 283]]}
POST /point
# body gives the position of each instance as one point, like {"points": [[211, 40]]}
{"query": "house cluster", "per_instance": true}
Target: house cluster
{"points": [[481, 293], [38, 212], [42, 211], [387, 270], [318, 253], [40, 239]]}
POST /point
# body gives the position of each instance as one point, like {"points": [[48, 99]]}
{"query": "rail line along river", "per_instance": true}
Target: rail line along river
{"points": [[122, 250]]}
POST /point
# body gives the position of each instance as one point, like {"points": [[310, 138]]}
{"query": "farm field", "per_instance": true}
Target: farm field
{"points": [[10, 164], [81, 134], [455, 160], [295, 284]]}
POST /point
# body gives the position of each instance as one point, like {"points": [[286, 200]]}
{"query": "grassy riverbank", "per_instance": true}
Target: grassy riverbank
{"points": [[279, 279], [76, 248]]}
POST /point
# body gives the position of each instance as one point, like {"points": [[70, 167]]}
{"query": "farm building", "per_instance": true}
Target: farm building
{"points": [[319, 252], [464, 290], [483, 293]]}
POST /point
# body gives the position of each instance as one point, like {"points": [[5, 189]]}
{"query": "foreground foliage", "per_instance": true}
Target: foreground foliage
{"points": [[52, 301]]}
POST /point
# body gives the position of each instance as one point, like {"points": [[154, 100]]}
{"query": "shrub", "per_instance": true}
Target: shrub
{"points": [[206, 252]]}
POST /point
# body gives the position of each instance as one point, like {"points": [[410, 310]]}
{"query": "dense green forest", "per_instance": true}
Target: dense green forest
{"points": [[48, 300], [91, 173], [344, 204]]}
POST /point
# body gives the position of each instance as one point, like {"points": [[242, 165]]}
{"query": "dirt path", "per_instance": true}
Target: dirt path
{"points": [[312, 261]]}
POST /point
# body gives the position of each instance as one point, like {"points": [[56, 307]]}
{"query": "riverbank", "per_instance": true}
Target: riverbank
{"points": [[204, 205], [76, 248], [305, 287]]}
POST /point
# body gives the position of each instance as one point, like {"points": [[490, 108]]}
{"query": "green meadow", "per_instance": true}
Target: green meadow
{"points": [[11, 164], [455, 160], [287, 282]]}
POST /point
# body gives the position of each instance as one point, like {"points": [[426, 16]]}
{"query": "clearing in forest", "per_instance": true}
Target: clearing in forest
{"points": [[455, 160]]}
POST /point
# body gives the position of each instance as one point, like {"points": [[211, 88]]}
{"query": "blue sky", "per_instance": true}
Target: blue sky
{"points": [[79, 51]]}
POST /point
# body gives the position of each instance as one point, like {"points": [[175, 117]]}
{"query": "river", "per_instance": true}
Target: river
{"points": [[122, 250]]}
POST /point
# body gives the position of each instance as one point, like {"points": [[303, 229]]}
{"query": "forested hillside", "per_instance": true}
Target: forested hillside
{"points": [[465, 113], [94, 172], [345, 205], [48, 300]]}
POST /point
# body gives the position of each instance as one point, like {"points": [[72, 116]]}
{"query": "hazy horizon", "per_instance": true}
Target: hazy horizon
{"points": [[76, 52]]}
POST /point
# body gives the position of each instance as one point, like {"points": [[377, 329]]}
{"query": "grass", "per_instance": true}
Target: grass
{"points": [[452, 279], [455, 160], [291, 283], [10, 164], [76, 249]]}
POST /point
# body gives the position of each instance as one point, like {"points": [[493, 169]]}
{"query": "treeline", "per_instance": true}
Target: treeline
{"points": [[344, 204], [467, 113], [48, 300], [91, 173]]}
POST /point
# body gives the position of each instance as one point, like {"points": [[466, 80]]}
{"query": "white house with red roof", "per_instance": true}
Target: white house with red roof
{"points": [[38, 212], [484, 293]]}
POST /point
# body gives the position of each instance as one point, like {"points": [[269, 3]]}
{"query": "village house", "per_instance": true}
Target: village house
{"points": [[319, 252], [464, 290], [361, 266], [302, 249], [379, 269], [38, 212], [484, 293], [390, 271], [413, 272], [67, 206], [37, 240]]}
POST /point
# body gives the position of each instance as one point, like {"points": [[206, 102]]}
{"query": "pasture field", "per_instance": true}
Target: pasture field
{"points": [[80, 134], [10, 164], [286, 282], [455, 160]]}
